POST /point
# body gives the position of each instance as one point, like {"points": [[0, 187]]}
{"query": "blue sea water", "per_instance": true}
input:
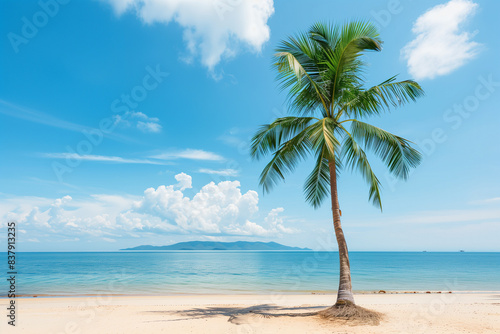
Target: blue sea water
{"points": [[173, 272]]}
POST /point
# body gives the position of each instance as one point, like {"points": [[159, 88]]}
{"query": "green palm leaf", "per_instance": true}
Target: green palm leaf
{"points": [[322, 70], [270, 136], [360, 103], [356, 159], [298, 71], [395, 151], [316, 188], [284, 160]]}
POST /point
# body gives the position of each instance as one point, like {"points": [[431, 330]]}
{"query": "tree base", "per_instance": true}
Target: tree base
{"points": [[351, 314]]}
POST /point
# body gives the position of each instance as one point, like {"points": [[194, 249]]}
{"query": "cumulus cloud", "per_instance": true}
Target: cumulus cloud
{"points": [[185, 181], [441, 46], [212, 29], [273, 221], [215, 210]]}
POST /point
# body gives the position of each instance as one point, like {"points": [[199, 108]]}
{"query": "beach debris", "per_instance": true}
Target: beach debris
{"points": [[382, 291]]}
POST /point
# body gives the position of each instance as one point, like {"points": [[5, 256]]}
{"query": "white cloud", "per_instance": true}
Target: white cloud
{"points": [[149, 127], [441, 46], [143, 116], [108, 239], [212, 29], [221, 172], [189, 154], [487, 201], [274, 224], [27, 114], [185, 181], [139, 120], [216, 209], [276, 221], [101, 158]]}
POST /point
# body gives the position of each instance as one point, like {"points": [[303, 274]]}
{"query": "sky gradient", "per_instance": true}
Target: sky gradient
{"points": [[128, 122]]}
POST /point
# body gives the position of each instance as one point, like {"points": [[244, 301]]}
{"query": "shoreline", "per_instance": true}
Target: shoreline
{"points": [[236, 313], [254, 293]]}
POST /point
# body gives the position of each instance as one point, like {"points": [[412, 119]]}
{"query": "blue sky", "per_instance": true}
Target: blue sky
{"points": [[117, 115]]}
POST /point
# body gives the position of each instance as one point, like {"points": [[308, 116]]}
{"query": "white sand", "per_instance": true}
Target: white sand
{"points": [[404, 313]]}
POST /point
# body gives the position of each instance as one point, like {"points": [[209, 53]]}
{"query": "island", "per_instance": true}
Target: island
{"points": [[215, 245]]}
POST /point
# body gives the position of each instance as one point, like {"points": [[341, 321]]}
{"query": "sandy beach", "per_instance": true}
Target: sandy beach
{"points": [[404, 313]]}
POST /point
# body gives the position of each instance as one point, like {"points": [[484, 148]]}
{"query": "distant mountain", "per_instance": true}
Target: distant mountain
{"points": [[213, 245]]}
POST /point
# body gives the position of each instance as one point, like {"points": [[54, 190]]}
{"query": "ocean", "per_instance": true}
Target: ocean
{"points": [[248, 272]]}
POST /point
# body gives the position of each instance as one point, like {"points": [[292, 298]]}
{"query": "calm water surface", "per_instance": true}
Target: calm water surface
{"points": [[174, 272]]}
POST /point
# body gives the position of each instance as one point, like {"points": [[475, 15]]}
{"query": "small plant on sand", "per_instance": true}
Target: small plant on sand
{"points": [[322, 71]]}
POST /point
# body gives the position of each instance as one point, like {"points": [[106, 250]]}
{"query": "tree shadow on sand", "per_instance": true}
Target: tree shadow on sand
{"points": [[346, 314]]}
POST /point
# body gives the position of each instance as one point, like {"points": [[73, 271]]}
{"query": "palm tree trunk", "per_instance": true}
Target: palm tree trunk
{"points": [[344, 295]]}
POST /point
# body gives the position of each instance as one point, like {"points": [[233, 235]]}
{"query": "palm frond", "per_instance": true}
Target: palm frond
{"points": [[322, 71], [395, 151], [322, 134], [355, 158], [270, 136], [285, 159], [316, 187], [297, 66], [342, 48], [381, 97]]}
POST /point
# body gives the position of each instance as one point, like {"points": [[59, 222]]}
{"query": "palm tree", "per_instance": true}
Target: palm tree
{"points": [[322, 71]]}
